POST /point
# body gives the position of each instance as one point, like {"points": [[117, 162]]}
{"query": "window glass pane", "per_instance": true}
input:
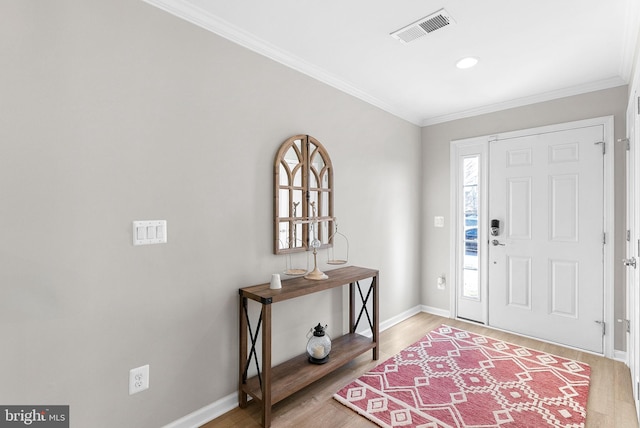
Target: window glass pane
{"points": [[470, 203], [470, 170]]}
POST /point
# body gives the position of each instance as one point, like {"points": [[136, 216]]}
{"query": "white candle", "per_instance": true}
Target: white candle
{"points": [[318, 352]]}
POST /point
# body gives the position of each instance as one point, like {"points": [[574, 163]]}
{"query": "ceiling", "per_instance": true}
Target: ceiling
{"points": [[529, 51]]}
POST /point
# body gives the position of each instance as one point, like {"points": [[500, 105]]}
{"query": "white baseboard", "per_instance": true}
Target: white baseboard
{"points": [[393, 321], [207, 413], [399, 318], [436, 311]]}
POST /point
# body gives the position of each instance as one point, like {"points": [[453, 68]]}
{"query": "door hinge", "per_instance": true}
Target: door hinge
{"points": [[604, 238], [628, 236], [603, 325], [603, 146]]}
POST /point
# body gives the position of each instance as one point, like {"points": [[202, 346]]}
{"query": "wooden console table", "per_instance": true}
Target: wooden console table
{"points": [[272, 384]]}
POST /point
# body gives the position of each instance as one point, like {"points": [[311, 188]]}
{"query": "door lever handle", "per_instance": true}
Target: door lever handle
{"points": [[495, 243], [630, 262]]}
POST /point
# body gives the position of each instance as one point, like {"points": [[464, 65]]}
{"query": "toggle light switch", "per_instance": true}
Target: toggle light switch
{"points": [[149, 232]]}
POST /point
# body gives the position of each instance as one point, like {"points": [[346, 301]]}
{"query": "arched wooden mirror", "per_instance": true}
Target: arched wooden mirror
{"points": [[303, 195]]}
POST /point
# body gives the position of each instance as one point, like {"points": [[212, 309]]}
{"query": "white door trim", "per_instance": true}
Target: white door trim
{"points": [[633, 244], [609, 212]]}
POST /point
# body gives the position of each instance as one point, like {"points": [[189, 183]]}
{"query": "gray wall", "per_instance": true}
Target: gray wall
{"points": [[436, 143], [114, 111]]}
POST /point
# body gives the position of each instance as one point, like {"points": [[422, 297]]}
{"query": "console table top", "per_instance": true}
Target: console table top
{"points": [[300, 286]]}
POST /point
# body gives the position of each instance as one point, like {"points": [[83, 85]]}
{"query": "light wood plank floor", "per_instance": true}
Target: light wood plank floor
{"points": [[610, 402]]}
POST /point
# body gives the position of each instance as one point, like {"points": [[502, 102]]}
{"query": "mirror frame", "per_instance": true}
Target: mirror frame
{"points": [[287, 182]]}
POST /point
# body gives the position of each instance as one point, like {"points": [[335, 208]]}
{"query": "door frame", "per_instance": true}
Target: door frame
{"points": [[633, 244], [609, 214]]}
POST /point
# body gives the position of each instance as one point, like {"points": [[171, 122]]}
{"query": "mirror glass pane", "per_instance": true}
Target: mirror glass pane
{"points": [[284, 202], [297, 176], [283, 235], [324, 204], [284, 175], [296, 239], [313, 197], [324, 232], [324, 179], [317, 162], [313, 180], [296, 205]]}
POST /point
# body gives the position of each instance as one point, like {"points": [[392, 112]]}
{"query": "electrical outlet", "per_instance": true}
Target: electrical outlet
{"points": [[138, 379]]}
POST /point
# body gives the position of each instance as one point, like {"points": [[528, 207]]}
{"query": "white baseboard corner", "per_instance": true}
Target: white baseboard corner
{"points": [[207, 413], [436, 311]]}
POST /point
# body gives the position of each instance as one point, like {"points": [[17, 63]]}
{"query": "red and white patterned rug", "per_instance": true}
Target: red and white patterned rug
{"points": [[454, 378]]}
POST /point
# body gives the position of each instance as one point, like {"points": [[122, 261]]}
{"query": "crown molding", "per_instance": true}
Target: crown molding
{"points": [[204, 19], [534, 99]]}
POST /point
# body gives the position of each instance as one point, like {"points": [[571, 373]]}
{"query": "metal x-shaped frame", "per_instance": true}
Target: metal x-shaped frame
{"points": [[364, 309], [253, 337]]}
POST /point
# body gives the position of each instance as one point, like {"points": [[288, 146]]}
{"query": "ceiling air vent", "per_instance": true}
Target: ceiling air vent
{"points": [[423, 26]]}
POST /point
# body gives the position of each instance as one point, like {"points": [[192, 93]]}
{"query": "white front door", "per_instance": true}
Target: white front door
{"points": [[546, 275]]}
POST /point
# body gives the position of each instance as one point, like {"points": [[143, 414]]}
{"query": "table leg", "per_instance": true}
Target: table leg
{"points": [[352, 307], [242, 359], [266, 365], [376, 319]]}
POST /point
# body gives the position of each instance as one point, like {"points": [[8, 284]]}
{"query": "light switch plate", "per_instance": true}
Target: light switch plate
{"points": [[149, 232], [438, 221]]}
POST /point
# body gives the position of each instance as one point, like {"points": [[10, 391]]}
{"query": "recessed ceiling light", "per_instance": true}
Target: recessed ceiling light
{"points": [[467, 62]]}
